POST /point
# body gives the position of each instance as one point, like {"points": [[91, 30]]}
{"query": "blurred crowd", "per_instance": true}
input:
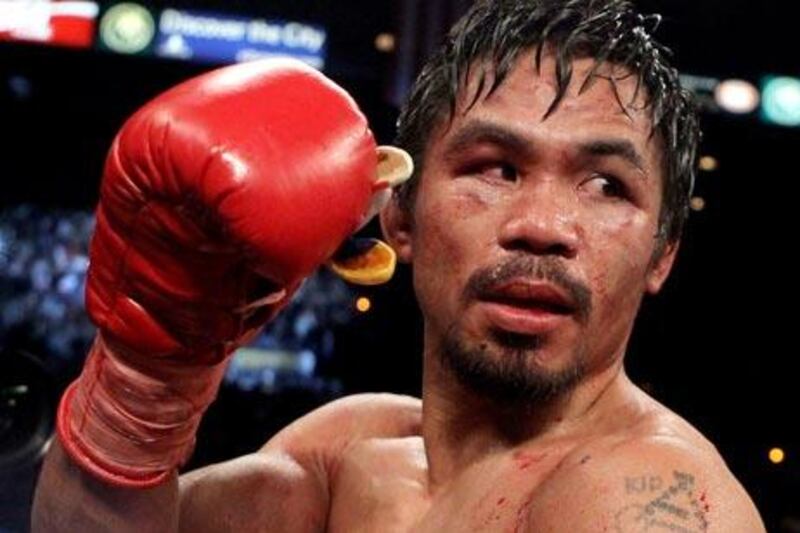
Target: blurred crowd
{"points": [[43, 264]]}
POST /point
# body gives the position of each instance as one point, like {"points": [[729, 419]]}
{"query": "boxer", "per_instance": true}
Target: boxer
{"points": [[554, 155]]}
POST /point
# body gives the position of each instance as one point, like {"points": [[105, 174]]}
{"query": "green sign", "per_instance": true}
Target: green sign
{"points": [[781, 100]]}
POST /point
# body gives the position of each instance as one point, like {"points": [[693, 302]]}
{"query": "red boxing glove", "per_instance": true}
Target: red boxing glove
{"points": [[218, 198]]}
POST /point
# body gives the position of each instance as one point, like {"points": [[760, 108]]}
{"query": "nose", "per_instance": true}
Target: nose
{"points": [[541, 220]]}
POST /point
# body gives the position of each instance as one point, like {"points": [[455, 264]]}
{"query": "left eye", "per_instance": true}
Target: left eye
{"points": [[606, 185]]}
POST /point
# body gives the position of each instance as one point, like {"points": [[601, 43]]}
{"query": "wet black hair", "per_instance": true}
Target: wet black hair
{"points": [[493, 34]]}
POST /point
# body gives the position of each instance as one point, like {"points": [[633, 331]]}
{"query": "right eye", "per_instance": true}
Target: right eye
{"points": [[492, 171]]}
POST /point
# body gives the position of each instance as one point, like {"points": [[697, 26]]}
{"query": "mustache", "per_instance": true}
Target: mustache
{"points": [[483, 281]]}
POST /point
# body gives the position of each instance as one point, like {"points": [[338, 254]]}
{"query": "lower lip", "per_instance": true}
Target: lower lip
{"points": [[522, 320]]}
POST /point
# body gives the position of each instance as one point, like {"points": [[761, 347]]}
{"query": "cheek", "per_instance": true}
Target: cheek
{"points": [[435, 245], [617, 287], [436, 257], [619, 269], [446, 248], [447, 223]]}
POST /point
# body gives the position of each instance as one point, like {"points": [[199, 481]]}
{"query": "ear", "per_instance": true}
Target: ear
{"points": [[397, 224], [661, 267]]}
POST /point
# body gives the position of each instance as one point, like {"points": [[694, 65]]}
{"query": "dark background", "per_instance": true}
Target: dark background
{"points": [[716, 346]]}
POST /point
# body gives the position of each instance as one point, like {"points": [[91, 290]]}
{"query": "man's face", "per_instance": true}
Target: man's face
{"points": [[532, 239]]}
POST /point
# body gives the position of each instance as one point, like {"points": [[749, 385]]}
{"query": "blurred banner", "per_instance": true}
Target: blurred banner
{"points": [[204, 36], [138, 29], [208, 37], [57, 23]]}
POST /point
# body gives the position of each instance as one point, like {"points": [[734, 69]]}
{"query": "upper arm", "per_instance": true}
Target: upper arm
{"points": [[256, 492], [657, 485], [285, 485]]}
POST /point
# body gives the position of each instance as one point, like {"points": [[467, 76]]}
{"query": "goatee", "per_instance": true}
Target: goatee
{"points": [[511, 378]]}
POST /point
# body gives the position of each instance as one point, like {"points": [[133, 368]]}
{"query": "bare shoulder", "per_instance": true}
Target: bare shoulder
{"points": [[351, 419], [660, 474]]}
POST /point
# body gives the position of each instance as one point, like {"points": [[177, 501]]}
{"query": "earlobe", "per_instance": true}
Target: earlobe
{"points": [[396, 225], [661, 267]]}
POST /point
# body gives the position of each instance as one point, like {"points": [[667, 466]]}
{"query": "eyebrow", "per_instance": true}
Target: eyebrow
{"points": [[480, 132], [622, 148]]}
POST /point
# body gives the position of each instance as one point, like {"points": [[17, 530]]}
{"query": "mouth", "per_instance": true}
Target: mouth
{"points": [[535, 295], [542, 306], [527, 307]]}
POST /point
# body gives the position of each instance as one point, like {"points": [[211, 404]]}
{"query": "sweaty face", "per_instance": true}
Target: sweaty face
{"points": [[532, 239]]}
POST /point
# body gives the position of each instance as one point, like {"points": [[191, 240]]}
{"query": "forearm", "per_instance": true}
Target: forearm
{"points": [[68, 499]]}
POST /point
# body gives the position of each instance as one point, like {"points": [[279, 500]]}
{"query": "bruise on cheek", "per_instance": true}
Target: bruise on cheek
{"points": [[449, 225], [467, 205], [449, 207], [477, 199]]}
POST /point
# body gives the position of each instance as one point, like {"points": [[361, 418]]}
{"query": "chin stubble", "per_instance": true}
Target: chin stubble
{"points": [[504, 369]]}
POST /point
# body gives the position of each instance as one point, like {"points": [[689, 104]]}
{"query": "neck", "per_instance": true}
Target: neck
{"points": [[461, 428]]}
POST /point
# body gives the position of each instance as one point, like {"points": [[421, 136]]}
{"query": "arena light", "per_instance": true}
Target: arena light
{"points": [[781, 100], [708, 163], [697, 204], [737, 96], [22, 89], [385, 42], [127, 28], [363, 304], [777, 456]]}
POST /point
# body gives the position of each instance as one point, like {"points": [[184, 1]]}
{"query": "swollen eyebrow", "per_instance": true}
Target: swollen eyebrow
{"points": [[480, 132]]}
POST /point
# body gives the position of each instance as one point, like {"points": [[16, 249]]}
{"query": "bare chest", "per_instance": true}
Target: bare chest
{"points": [[384, 489]]}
